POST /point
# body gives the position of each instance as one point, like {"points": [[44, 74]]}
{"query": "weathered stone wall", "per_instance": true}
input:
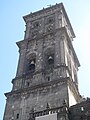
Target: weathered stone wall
{"points": [[22, 103], [44, 41]]}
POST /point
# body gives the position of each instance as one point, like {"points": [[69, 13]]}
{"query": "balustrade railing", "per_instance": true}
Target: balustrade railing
{"points": [[47, 111]]}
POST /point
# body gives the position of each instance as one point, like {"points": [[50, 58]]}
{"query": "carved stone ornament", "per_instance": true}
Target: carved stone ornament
{"points": [[34, 33], [50, 28], [36, 25], [62, 37], [62, 118], [50, 20]]}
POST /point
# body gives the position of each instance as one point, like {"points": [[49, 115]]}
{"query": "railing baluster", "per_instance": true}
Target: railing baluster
{"points": [[47, 111]]}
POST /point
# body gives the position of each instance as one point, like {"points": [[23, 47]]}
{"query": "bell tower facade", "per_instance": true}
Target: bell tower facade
{"points": [[46, 75]]}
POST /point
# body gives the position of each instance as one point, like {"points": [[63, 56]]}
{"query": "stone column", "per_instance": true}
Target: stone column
{"points": [[27, 32], [62, 49], [39, 56]]}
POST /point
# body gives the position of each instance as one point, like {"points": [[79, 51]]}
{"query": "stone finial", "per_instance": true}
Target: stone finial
{"points": [[47, 107], [64, 102]]}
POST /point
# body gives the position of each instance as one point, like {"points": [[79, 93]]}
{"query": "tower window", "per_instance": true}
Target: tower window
{"points": [[28, 84], [17, 117], [48, 78]]}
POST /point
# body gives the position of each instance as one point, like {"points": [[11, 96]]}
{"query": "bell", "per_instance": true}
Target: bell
{"points": [[50, 57], [50, 60], [32, 62], [32, 65]]}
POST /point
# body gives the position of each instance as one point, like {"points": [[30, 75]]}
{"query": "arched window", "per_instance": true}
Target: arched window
{"points": [[17, 117]]}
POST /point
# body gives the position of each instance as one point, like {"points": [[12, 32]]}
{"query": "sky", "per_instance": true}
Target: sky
{"points": [[12, 27]]}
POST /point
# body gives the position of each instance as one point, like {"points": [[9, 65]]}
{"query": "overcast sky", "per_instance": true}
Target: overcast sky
{"points": [[12, 29]]}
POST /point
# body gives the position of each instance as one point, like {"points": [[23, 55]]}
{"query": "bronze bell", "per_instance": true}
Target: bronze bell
{"points": [[32, 65], [32, 62], [50, 60], [50, 57]]}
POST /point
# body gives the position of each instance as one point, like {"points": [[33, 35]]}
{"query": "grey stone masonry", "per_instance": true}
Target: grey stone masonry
{"points": [[47, 67]]}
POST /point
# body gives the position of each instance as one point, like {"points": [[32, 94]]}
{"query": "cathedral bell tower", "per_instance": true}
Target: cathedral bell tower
{"points": [[46, 80]]}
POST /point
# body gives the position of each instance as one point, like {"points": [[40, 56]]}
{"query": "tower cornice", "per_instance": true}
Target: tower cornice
{"points": [[53, 9], [42, 85]]}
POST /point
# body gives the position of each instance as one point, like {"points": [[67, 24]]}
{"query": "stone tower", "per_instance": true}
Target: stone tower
{"points": [[46, 78]]}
